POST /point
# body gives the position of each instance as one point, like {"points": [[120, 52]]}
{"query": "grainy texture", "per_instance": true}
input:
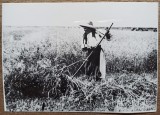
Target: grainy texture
{"points": [[65, 113]]}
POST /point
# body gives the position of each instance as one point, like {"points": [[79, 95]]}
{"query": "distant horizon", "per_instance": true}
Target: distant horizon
{"points": [[81, 27]]}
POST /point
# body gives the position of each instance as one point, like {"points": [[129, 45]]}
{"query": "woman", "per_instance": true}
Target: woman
{"points": [[96, 64]]}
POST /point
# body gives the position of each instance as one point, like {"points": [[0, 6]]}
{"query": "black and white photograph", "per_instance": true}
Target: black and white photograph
{"points": [[80, 57]]}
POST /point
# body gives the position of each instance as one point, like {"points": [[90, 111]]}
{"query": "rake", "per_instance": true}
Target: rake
{"points": [[92, 51]]}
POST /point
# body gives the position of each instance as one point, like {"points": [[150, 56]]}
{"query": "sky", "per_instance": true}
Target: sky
{"points": [[122, 14]]}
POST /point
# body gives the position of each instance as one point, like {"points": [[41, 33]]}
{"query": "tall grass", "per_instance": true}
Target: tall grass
{"points": [[135, 64], [39, 72]]}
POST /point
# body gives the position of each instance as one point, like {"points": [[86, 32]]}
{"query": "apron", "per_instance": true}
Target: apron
{"points": [[96, 63]]}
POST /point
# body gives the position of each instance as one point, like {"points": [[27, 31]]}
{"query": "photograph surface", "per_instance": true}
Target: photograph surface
{"points": [[80, 57]]}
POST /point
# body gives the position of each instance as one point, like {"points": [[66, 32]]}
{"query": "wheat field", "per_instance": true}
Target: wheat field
{"points": [[37, 71]]}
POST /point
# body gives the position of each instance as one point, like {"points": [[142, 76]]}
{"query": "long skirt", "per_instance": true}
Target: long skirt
{"points": [[96, 65]]}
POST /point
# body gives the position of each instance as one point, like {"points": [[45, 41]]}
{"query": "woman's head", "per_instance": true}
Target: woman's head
{"points": [[88, 27]]}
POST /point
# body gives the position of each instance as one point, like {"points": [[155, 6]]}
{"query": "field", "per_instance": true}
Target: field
{"points": [[37, 71]]}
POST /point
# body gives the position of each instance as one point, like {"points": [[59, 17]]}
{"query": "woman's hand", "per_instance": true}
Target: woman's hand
{"points": [[108, 36]]}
